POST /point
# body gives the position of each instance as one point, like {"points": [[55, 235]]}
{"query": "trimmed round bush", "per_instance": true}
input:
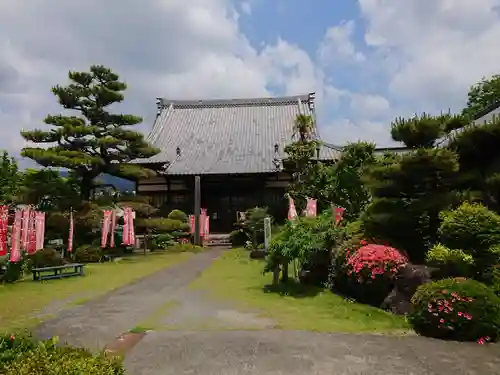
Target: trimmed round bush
{"points": [[458, 309], [450, 262], [238, 237], [178, 215], [88, 254], [471, 227], [163, 241]]}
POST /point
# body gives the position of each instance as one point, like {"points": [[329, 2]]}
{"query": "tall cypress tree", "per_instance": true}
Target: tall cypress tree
{"points": [[95, 140]]}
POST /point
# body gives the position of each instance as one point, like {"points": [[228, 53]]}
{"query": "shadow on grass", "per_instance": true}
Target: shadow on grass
{"points": [[294, 289]]}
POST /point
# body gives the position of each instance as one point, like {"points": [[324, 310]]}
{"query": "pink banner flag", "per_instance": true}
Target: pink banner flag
{"points": [[191, 224], [25, 221], [311, 207], [338, 213], [4, 228], [292, 212], [71, 232], [203, 216], [31, 246], [106, 219], [15, 250], [125, 232], [131, 229], [112, 229], [40, 230]]}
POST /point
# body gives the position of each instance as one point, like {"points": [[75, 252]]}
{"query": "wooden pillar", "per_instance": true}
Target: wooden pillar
{"points": [[197, 209]]}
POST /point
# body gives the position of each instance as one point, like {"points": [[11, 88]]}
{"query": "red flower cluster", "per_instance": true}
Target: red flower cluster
{"points": [[371, 260], [449, 319]]}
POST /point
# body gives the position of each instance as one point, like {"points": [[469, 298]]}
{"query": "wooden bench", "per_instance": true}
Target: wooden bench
{"points": [[57, 272]]}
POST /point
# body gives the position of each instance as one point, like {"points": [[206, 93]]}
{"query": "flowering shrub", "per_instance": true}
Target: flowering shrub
{"points": [[458, 309], [366, 271], [371, 261]]}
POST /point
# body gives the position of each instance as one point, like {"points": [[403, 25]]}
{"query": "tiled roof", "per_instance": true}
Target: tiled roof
{"points": [[226, 136]]}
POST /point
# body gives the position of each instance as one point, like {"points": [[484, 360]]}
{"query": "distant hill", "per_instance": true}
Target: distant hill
{"points": [[119, 183]]}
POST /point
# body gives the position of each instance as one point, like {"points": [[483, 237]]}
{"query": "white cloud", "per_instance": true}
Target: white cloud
{"points": [[437, 48], [246, 7], [170, 48], [337, 44]]}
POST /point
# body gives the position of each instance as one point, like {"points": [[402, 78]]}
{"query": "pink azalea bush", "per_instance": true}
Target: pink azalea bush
{"points": [[458, 309], [366, 270], [371, 261]]}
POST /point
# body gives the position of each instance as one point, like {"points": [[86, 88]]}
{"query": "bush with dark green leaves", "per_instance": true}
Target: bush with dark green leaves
{"points": [[458, 309], [450, 262], [24, 356], [178, 215], [88, 254], [162, 225], [48, 257], [162, 241], [238, 237]]}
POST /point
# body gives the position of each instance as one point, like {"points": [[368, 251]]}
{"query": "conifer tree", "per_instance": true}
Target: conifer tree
{"points": [[95, 140]]}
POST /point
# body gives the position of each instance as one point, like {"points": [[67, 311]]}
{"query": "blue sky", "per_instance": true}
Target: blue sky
{"points": [[368, 61]]}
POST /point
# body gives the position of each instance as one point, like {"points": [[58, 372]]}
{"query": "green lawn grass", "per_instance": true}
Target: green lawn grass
{"points": [[237, 278], [22, 302]]}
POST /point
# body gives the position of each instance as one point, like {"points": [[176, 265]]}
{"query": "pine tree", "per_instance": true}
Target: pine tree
{"points": [[96, 141], [10, 179]]}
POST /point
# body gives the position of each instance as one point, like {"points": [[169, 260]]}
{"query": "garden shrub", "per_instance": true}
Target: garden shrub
{"points": [[238, 237], [368, 272], [162, 241], [88, 254], [48, 257], [49, 359], [14, 346], [178, 215], [471, 227], [458, 309], [450, 262], [181, 248], [163, 225]]}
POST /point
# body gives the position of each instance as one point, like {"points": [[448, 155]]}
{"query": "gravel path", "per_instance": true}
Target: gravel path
{"points": [[99, 321], [195, 335]]}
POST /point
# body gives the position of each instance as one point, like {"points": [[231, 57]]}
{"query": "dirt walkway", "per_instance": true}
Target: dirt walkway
{"points": [[195, 335]]}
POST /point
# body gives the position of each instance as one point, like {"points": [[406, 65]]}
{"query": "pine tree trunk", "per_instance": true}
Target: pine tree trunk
{"points": [[284, 273]]}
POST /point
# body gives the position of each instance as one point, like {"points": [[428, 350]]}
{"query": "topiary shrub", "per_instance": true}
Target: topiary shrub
{"points": [[162, 225], [450, 262], [178, 215], [457, 309], [88, 254], [369, 272], [471, 227], [48, 257]]}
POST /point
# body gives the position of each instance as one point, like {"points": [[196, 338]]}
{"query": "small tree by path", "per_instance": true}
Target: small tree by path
{"points": [[96, 141]]}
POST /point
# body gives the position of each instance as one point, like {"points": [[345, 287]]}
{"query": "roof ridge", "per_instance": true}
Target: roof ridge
{"points": [[277, 100]]}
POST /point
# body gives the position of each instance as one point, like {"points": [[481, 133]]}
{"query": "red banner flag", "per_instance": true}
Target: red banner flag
{"points": [[4, 228], [338, 213], [292, 212], [106, 219], [71, 232], [15, 250], [40, 230], [112, 229]]}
